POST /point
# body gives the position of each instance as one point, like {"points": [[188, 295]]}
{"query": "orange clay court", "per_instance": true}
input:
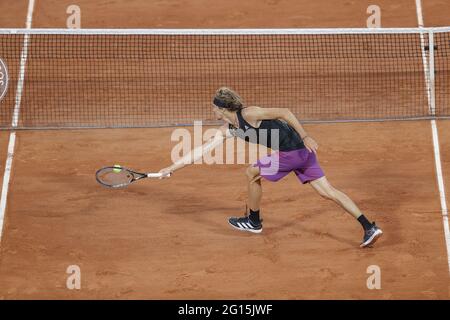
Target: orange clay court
{"points": [[170, 239]]}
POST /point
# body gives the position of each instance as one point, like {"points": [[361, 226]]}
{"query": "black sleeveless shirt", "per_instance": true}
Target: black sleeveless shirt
{"points": [[275, 134]]}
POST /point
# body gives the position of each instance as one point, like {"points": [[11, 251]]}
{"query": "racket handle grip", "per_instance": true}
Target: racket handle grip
{"points": [[156, 175]]}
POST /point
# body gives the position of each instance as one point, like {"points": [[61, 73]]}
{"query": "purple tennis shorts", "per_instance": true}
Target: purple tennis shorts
{"points": [[278, 164]]}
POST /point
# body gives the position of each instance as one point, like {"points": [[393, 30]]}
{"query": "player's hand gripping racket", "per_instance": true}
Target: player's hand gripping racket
{"points": [[118, 177]]}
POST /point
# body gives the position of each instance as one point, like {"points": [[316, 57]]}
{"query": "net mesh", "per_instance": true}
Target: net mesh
{"points": [[134, 80], [442, 73]]}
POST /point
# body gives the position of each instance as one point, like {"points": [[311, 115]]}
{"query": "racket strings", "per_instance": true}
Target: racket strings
{"points": [[115, 177]]}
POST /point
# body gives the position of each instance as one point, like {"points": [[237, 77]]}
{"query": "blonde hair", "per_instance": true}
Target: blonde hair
{"points": [[229, 98]]}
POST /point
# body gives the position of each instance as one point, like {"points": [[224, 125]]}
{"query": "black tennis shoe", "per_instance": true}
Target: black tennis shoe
{"points": [[371, 235], [245, 224]]}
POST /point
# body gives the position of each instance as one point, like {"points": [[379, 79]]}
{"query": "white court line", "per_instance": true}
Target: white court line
{"points": [[440, 179], [419, 13], [15, 118], [437, 155], [6, 176]]}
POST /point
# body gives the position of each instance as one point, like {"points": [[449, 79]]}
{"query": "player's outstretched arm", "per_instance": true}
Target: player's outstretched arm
{"points": [[222, 134]]}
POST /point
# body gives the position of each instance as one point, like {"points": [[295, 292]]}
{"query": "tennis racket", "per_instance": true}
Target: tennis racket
{"points": [[118, 177]]}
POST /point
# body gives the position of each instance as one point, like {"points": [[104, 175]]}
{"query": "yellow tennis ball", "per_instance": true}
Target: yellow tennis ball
{"points": [[117, 168]]}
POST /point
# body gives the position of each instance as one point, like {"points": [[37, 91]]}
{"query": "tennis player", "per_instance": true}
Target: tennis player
{"points": [[296, 152]]}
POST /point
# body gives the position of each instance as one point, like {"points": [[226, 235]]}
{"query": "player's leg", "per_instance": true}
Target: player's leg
{"points": [[272, 168], [254, 188], [327, 191], [309, 171], [252, 222]]}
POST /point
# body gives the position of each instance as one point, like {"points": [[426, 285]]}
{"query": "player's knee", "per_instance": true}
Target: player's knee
{"points": [[252, 172], [323, 194], [328, 193], [332, 194]]}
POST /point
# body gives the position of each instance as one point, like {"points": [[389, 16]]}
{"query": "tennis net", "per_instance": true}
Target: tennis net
{"points": [[141, 78]]}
